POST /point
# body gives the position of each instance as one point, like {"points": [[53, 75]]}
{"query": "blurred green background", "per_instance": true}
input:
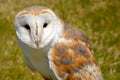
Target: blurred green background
{"points": [[99, 19]]}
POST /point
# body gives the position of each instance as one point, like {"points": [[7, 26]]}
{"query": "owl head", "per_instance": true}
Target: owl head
{"points": [[37, 26]]}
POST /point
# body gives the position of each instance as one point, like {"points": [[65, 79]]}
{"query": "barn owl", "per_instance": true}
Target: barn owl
{"points": [[54, 49]]}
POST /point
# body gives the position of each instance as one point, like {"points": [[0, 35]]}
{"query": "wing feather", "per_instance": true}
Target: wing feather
{"points": [[72, 57]]}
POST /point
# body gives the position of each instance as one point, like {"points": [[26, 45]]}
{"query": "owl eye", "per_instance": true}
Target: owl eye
{"points": [[27, 27], [45, 25]]}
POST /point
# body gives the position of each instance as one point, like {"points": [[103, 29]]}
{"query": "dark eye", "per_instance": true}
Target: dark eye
{"points": [[27, 26], [45, 25]]}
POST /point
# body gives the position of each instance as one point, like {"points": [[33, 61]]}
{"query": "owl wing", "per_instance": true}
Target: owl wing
{"points": [[72, 58]]}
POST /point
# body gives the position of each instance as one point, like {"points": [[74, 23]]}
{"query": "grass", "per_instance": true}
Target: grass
{"points": [[99, 19]]}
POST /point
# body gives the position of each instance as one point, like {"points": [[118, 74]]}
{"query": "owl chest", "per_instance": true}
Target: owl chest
{"points": [[38, 60]]}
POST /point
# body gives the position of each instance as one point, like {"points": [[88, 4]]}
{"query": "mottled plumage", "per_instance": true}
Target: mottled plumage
{"points": [[54, 49], [72, 57]]}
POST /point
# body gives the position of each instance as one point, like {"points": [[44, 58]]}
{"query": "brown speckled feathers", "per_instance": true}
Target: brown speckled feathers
{"points": [[73, 59]]}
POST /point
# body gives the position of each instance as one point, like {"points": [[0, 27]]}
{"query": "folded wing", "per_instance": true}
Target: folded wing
{"points": [[72, 57]]}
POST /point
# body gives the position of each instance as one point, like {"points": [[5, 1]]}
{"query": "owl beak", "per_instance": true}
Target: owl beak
{"points": [[37, 42]]}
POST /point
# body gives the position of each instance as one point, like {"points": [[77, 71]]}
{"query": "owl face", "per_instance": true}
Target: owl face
{"points": [[37, 27]]}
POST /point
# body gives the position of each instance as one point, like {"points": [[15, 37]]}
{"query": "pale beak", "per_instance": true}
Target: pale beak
{"points": [[37, 42]]}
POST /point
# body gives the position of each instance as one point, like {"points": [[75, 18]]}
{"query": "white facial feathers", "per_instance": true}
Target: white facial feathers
{"points": [[37, 26]]}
